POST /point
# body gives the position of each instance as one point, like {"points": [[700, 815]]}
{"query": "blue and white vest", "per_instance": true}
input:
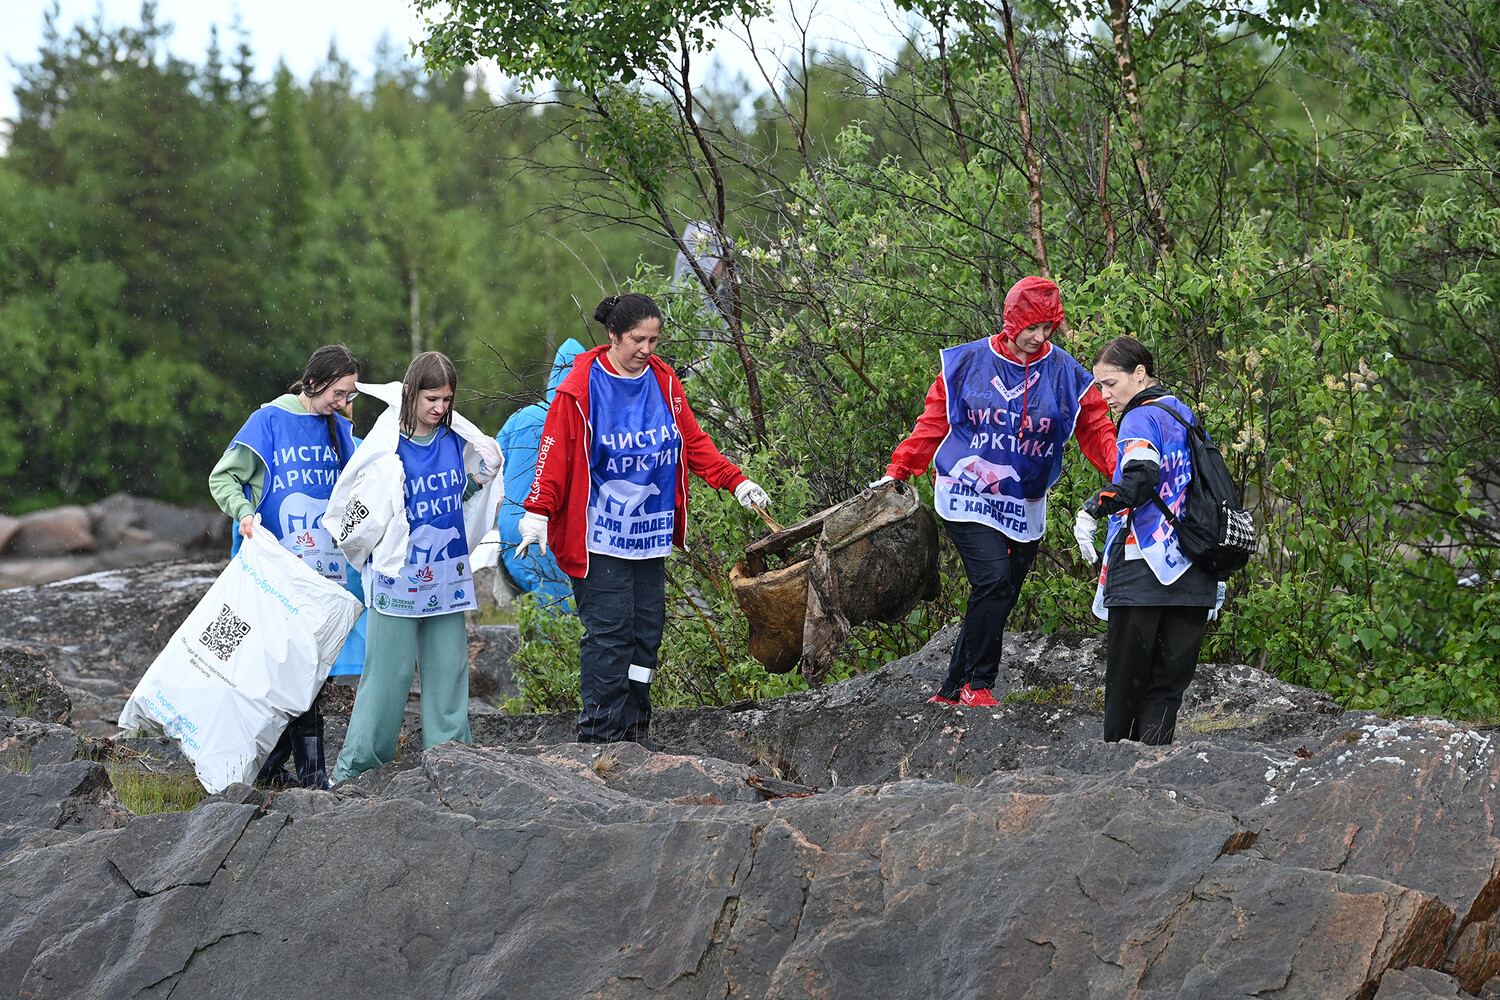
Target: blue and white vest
{"points": [[633, 459], [991, 468], [1146, 428], [437, 578], [301, 467]]}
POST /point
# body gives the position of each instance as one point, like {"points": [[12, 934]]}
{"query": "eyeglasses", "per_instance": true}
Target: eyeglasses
{"points": [[345, 398]]}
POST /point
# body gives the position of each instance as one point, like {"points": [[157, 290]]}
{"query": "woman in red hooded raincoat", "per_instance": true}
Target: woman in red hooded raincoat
{"points": [[995, 426]]}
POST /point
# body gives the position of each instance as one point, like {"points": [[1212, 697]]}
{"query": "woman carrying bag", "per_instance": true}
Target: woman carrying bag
{"points": [[995, 426], [414, 499], [277, 475]]}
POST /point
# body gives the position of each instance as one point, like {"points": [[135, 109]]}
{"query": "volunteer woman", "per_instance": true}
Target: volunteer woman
{"points": [[610, 497], [417, 616], [996, 422], [1157, 600], [282, 466]]}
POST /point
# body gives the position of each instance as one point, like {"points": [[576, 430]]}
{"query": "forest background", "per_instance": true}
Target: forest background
{"points": [[1297, 209]]}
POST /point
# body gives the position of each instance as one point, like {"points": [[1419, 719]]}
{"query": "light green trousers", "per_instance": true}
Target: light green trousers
{"points": [[395, 648]]}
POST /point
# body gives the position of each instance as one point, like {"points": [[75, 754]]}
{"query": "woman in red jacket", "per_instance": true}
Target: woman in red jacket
{"points": [[610, 499], [996, 423]]}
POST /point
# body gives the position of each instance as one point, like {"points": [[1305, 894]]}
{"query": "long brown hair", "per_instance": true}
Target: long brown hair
{"points": [[326, 366], [431, 370]]}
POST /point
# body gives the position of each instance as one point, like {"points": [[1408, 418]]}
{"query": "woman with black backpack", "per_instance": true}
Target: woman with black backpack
{"points": [[1157, 599]]}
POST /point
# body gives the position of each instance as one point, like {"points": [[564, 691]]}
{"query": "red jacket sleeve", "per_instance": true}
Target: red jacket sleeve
{"points": [[703, 457], [561, 432], [914, 455], [1096, 432]]}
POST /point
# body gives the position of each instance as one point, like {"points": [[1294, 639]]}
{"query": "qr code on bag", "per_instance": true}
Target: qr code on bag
{"points": [[226, 633], [356, 513]]}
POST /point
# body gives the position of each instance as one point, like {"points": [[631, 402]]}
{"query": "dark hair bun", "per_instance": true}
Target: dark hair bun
{"points": [[604, 308], [620, 313]]}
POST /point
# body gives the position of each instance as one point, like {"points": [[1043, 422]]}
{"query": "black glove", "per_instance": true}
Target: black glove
{"points": [[1107, 502]]}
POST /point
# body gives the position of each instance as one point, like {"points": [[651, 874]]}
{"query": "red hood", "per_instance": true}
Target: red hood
{"points": [[1030, 300]]}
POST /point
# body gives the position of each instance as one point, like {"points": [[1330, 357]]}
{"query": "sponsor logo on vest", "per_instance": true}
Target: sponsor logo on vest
{"points": [[1010, 394], [982, 476]]}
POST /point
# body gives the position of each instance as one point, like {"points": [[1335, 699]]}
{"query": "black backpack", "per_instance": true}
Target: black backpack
{"points": [[1214, 530]]}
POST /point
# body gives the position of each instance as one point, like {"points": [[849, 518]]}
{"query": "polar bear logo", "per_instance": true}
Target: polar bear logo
{"points": [[430, 544], [624, 498], [300, 512]]}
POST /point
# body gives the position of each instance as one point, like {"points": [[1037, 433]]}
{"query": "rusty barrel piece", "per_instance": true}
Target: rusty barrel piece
{"points": [[882, 548]]}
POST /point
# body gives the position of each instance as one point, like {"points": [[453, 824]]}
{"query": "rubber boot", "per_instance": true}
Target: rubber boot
{"points": [[273, 771], [306, 732]]}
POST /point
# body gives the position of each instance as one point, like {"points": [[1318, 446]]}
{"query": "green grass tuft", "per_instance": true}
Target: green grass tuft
{"points": [[147, 792]]}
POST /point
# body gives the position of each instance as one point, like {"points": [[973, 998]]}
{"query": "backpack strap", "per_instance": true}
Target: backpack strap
{"points": [[1154, 404], [1163, 406]]}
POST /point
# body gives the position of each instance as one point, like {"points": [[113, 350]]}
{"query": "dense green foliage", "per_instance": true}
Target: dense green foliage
{"points": [[1298, 214], [177, 239], [1296, 210]]}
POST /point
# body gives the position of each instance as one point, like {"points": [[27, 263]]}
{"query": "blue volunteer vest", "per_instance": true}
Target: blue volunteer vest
{"points": [[301, 468], [991, 468], [437, 578], [633, 461], [1154, 536]]}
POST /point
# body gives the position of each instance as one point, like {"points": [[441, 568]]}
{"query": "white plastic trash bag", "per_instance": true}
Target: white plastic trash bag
{"points": [[367, 510], [250, 657], [487, 553]]}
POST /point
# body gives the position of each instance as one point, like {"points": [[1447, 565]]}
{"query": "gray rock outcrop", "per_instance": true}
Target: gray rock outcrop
{"points": [[53, 532], [570, 871], [98, 633], [118, 531], [851, 841], [28, 689]]}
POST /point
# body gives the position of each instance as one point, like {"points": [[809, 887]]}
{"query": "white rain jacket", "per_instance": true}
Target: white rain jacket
{"points": [[367, 511]]}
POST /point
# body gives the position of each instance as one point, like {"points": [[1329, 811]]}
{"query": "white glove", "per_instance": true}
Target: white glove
{"points": [[491, 460], [1083, 533], [749, 494], [881, 482], [533, 529], [1213, 613]]}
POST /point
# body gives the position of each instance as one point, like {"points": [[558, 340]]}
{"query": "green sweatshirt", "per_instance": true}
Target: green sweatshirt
{"points": [[240, 467]]}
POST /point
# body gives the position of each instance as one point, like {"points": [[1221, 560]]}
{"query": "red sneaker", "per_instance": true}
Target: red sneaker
{"points": [[981, 698], [941, 699]]}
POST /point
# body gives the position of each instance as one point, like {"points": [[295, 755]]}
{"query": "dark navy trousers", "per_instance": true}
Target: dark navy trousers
{"points": [[1152, 654], [996, 566], [623, 606]]}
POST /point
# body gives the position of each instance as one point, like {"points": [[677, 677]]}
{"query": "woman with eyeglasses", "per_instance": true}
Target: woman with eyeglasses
{"points": [[282, 466]]}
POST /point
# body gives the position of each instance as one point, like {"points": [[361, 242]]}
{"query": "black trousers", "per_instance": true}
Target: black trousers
{"points": [[623, 606], [996, 566], [1152, 654]]}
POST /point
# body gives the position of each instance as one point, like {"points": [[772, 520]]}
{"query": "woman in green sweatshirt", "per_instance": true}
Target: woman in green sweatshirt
{"points": [[276, 475]]}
